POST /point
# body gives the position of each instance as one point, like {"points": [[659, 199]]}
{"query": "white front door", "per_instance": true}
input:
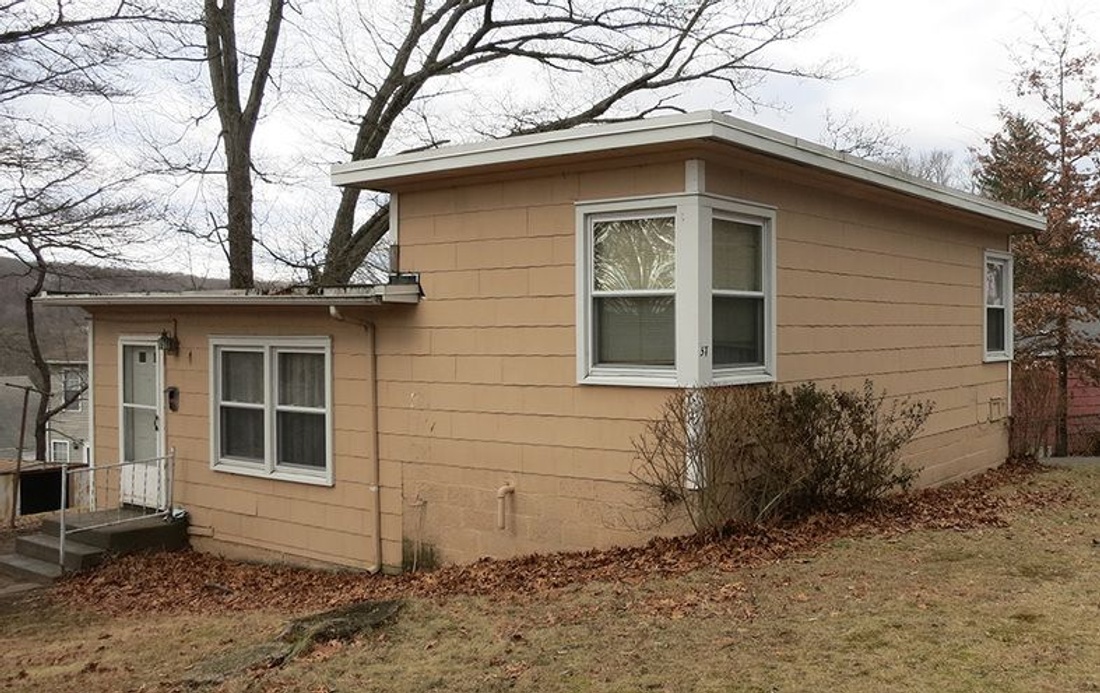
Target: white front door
{"points": [[139, 424]]}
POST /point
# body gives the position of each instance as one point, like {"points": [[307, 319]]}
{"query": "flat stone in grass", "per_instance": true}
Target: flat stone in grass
{"points": [[343, 623], [297, 638]]}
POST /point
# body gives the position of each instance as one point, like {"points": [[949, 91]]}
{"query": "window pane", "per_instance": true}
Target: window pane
{"points": [[139, 434], [634, 254], [738, 331], [139, 375], [242, 376], [736, 256], [60, 451], [994, 284], [301, 437], [302, 379], [636, 330], [72, 382], [242, 433], [994, 329]]}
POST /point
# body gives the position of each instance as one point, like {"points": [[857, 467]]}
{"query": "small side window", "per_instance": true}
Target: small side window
{"points": [[997, 291]]}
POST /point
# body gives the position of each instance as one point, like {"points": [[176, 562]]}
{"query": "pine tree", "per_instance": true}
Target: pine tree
{"points": [[1048, 164]]}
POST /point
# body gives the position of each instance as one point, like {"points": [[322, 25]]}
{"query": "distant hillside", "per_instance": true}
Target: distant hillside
{"points": [[61, 330]]}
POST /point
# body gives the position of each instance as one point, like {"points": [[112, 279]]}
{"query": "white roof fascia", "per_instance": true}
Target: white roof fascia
{"points": [[701, 125], [389, 293]]}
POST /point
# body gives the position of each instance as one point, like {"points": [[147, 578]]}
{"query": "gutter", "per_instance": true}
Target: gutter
{"points": [[374, 483]]}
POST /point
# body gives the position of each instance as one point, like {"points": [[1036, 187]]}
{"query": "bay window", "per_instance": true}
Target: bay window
{"points": [[675, 291], [272, 407]]}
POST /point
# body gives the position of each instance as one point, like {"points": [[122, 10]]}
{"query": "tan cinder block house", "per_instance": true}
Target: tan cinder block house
{"points": [[551, 291]]}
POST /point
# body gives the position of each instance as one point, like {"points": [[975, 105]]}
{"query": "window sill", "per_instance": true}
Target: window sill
{"points": [[996, 358], [310, 479], [667, 379], [747, 376]]}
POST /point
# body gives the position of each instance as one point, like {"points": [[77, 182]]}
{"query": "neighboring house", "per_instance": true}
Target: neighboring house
{"points": [[11, 412], [67, 432], [571, 280]]}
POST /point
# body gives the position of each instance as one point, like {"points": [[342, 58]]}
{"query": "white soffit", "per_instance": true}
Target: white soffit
{"points": [[382, 173]]}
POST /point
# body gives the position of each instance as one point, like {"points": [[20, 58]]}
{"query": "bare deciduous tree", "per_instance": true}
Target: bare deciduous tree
{"points": [[56, 201], [389, 59], [880, 142]]}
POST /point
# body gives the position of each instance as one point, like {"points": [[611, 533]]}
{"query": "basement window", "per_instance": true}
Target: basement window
{"points": [[272, 408], [675, 291]]}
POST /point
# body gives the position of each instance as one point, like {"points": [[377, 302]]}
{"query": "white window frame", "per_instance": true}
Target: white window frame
{"points": [[270, 347], [1005, 260], [54, 443], [693, 214]]}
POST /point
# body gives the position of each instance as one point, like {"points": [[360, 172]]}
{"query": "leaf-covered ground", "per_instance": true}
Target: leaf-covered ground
{"points": [[984, 586], [193, 582]]}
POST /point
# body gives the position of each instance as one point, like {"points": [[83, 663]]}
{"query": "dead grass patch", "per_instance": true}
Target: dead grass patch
{"points": [[1004, 602]]}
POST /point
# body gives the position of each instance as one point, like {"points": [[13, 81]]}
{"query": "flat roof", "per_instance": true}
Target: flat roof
{"points": [[295, 296], [385, 173]]}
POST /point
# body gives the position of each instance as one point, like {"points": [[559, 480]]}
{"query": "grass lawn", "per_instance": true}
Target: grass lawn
{"points": [[996, 608]]}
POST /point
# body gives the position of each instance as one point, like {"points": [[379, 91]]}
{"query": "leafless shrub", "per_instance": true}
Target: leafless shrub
{"points": [[1034, 403], [769, 453]]}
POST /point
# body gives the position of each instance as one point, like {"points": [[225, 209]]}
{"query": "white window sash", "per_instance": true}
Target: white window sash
{"points": [[269, 466], [693, 293], [1003, 259]]}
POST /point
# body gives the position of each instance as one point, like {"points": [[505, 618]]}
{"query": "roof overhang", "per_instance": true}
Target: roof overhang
{"points": [[388, 173], [331, 296]]}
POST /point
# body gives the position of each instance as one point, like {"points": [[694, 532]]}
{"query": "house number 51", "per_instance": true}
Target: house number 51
{"points": [[703, 351]]}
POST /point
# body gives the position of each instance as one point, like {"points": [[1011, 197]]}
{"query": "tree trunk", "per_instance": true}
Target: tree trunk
{"points": [[42, 369], [1061, 435], [239, 213]]}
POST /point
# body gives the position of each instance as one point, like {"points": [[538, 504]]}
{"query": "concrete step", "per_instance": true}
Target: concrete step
{"points": [[137, 533], [44, 547], [31, 569]]}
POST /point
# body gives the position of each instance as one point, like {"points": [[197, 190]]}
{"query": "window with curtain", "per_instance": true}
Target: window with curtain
{"points": [[273, 408]]}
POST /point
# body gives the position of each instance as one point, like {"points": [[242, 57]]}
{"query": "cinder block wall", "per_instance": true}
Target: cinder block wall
{"points": [[478, 383]]}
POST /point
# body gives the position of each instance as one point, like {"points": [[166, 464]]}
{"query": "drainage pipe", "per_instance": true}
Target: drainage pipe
{"points": [[503, 492], [374, 483]]}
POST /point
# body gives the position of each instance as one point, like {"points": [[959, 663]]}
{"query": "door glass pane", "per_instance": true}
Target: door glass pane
{"points": [[634, 254], [242, 433], [738, 331], [139, 375], [242, 376], [139, 434], [736, 256], [302, 379], [636, 330], [301, 439], [994, 329], [994, 284]]}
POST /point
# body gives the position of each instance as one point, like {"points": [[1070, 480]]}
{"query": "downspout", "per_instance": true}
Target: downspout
{"points": [[374, 483]]}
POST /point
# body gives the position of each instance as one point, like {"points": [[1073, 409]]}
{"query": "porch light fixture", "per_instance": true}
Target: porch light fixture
{"points": [[169, 343]]}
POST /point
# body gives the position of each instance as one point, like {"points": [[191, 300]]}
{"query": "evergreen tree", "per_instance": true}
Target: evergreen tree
{"points": [[1048, 164]]}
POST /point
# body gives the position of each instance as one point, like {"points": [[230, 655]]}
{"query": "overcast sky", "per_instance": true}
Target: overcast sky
{"points": [[935, 69]]}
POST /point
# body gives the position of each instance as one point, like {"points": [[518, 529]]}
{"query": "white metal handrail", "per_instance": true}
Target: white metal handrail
{"points": [[100, 493]]}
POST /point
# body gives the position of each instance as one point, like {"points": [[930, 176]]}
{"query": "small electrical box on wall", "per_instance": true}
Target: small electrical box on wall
{"points": [[173, 394], [998, 409]]}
